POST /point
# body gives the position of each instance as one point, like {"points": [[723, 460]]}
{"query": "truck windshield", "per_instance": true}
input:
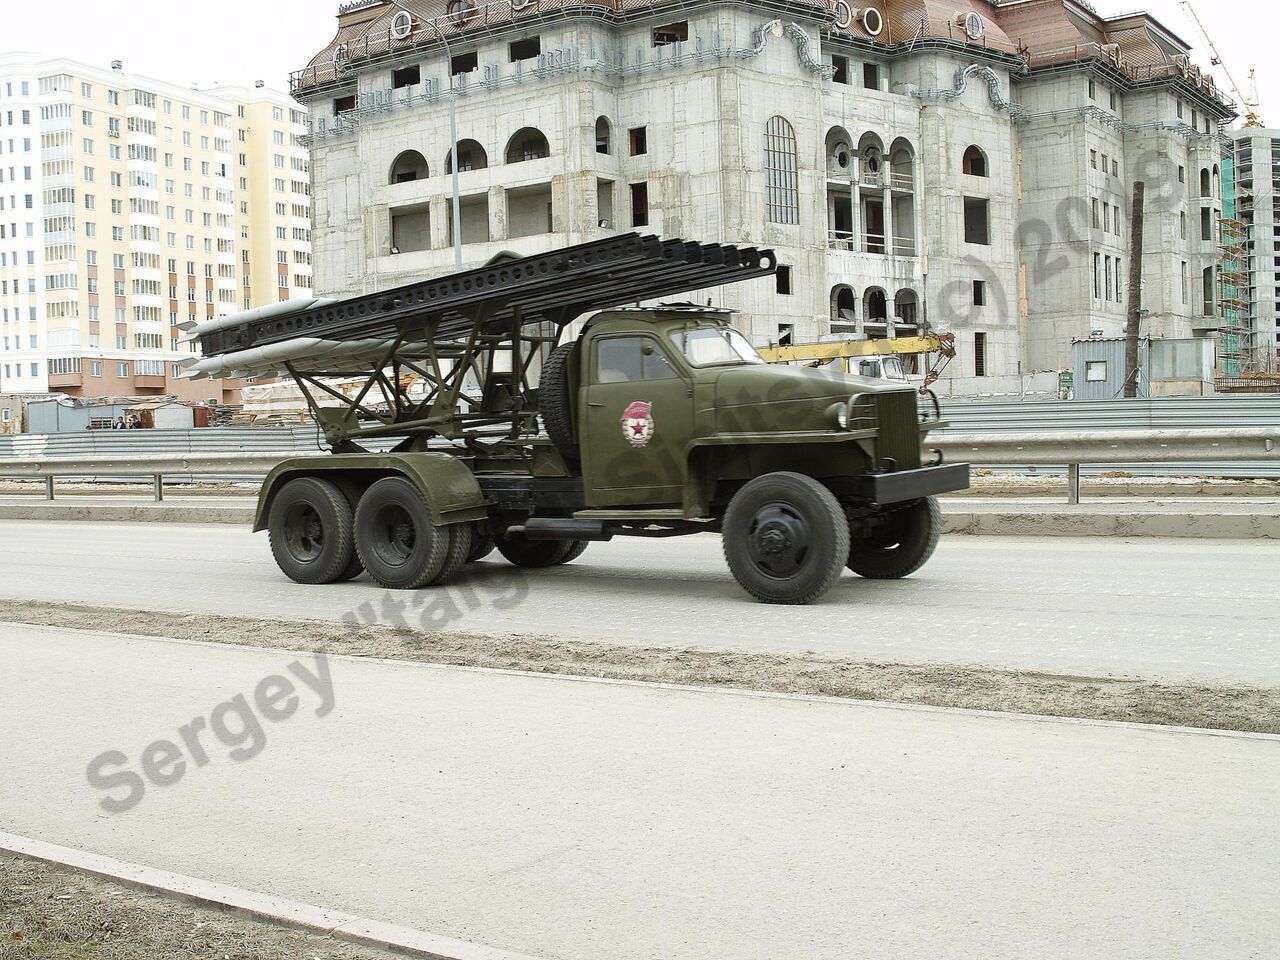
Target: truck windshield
{"points": [[714, 346]]}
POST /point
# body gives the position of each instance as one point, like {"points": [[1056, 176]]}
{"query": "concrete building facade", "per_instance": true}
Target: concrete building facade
{"points": [[1257, 182], [129, 206], [916, 166]]}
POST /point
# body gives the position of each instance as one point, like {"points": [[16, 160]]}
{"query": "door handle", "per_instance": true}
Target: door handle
{"points": [[594, 403]]}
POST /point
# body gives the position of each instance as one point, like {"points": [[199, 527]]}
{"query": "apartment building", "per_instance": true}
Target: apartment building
{"points": [[1257, 183], [129, 206], [917, 165]]}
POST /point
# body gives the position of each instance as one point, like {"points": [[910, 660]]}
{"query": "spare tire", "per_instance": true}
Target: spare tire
{"points": [[555, 403]]}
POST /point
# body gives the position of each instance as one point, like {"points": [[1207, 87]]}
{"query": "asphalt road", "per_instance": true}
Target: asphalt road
{"points": [[1151, 608], [580, 819]]}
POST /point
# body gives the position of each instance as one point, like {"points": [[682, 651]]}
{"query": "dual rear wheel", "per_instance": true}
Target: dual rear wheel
{"points": [[327, 531]]}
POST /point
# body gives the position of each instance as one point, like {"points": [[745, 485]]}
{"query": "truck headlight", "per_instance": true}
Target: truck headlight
{"points": [[839, 414]]}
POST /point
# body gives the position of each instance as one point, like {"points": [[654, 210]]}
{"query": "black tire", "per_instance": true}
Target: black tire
{"points": [[459, 549], [899, 544], [396, 536], [352, 491], [533, 554], [576, 549], [310, 530], [786, 538], [481, 541], [555, 404]]}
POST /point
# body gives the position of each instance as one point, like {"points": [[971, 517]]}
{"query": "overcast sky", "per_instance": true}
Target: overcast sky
{"points": [[248, 40]]}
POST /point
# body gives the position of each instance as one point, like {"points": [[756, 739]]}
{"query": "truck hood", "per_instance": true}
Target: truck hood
{"points": [[775, 397]]}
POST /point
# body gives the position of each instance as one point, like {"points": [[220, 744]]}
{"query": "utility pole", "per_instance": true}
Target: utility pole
{"points": [[1135, 291]]}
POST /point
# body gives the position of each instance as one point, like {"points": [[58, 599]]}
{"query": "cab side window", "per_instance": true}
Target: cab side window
{"points": [[624, 359]]}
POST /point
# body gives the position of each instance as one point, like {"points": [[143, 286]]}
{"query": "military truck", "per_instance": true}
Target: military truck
{"points": [[525, 407]]}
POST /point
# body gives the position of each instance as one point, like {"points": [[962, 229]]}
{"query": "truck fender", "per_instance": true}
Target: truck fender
{"points": [[445, 482]]}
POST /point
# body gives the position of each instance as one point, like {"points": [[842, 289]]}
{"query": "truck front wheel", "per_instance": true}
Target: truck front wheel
{"points": [[786, 538], [310, 530], [897, 543], [396, 536]]}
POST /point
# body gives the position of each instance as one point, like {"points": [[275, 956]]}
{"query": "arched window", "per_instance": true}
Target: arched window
{"points": [[839, 153], [782, 184], [1204, 183], [1217, 181], [875, 306], [410, 165], [975, 163], [906, 308], [527, 144], [843, 305], [471, 156], [602, 135]]}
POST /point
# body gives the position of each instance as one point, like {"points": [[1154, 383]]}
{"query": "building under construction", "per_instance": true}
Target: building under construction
{"points": [[1257, 299], [920, 167]]}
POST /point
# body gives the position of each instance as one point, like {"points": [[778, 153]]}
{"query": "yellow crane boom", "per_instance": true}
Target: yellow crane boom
{"points": [[841, 349]]}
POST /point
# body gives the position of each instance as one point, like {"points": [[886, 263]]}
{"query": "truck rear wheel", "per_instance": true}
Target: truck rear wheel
{"points": [[310, 530], [481, 541], [352, 491], [459, 550], [898, 543], [523, 552], [576, 549], [396, 536], [786, 539]]}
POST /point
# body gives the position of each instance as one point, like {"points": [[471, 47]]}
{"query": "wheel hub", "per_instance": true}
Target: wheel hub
{"points": [[397, 535], [304, 532], [778, 540]]}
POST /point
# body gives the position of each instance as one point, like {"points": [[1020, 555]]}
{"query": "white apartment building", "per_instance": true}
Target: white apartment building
{"points": [[130, 205], [917, 165]]}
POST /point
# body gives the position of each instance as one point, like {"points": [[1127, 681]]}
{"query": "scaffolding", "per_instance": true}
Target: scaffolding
{"points": [[1234, 352]]}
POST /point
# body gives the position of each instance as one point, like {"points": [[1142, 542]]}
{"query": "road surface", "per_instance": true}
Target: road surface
{"points": [[580, 819], [1168, 609]]}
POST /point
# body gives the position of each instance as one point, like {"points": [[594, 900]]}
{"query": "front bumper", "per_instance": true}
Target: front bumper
{"points": [[902, 485]]}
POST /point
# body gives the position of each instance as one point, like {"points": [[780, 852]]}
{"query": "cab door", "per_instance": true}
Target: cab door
{"points": [[637, 420]]}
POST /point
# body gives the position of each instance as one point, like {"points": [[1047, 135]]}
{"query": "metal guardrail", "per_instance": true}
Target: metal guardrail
{"points": [[1074, 449], [1069, 449]]}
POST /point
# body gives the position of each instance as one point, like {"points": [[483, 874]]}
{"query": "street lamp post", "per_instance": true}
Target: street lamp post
{"points": [[453, 144]]}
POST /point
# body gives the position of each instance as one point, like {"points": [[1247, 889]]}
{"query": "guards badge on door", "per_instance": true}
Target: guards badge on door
{"points": [[637, 423]]}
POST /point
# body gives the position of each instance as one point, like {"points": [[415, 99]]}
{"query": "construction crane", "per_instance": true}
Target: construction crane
{"points": [[1251, 118], [880, 359]]}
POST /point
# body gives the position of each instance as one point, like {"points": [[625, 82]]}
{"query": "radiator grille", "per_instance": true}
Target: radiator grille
{"points": [[899, 428]]}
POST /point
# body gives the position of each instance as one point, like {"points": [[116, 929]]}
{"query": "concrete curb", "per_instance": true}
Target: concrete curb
{"points": [[258, 906], [1137, 523], [141, 511]]}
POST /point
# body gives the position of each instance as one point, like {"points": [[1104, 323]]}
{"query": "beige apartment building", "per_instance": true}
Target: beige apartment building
{"points": [[129, 206]]}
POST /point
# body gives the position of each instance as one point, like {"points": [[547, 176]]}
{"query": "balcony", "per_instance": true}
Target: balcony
{"points": [[62, 380], [145, 381], [842, 240]]}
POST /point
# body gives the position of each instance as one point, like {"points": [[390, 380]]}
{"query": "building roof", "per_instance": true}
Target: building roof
{"points": [[1044, 33], [366, 30]]}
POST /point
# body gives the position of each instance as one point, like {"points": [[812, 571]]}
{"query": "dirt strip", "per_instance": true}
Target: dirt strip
{"points": [[1213, 706], [56, 913]]}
